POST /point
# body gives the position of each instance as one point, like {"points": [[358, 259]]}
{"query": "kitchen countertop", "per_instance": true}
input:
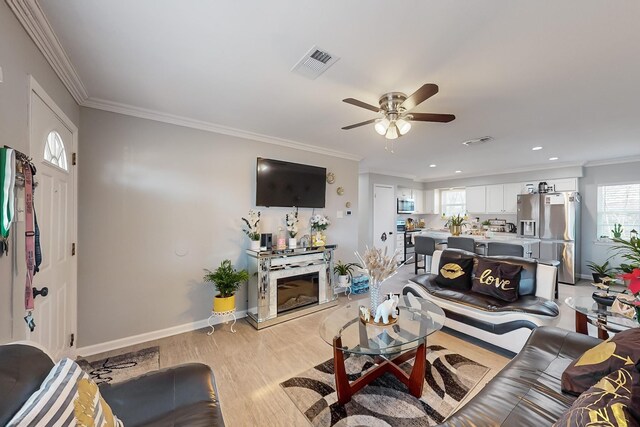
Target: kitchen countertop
{"points": [[496, 237]]}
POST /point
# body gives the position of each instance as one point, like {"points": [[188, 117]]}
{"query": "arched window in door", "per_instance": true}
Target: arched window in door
{"points": [[54, 151]]}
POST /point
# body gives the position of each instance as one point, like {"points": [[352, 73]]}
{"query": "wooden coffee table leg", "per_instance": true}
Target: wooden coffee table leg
{"points": [[581, 323], [342, 381], [416, 379]]}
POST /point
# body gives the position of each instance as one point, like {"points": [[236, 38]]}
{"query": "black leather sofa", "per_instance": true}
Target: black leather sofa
{"points": [[527, 391], [185, 395]]}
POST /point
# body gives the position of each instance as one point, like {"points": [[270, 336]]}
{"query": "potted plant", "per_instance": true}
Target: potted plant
{"points": [[292, 227], [617, 231], [629, 250], [253, 229], [344, 272], [455, 224], [227, 280], [600, 271]]}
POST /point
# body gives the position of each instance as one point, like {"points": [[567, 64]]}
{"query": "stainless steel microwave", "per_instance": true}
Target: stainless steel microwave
{"points": [[406, 206]]}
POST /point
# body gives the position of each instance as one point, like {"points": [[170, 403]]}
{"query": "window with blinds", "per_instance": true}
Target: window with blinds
{"points": [[618, 204], [453, 202]]}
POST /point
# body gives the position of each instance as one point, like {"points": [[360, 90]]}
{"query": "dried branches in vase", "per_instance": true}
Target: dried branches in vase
{"points": [[379, 266]]}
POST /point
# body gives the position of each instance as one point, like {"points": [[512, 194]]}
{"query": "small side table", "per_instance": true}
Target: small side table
{"points": [[346, 289], [222, 314]]}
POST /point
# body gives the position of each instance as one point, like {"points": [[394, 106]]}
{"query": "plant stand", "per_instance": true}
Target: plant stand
{"points": [[346, 289], [223, 314]]}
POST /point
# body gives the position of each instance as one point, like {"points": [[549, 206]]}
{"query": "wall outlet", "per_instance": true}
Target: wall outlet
{"points": [[349, 213]]}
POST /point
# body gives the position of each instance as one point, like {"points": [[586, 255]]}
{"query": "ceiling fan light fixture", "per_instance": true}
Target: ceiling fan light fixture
{"points": [[381, 126], [403, 125], [392, 132]]}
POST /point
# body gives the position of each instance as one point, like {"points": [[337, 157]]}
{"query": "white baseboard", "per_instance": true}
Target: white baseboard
{"points": [[153, 335]]}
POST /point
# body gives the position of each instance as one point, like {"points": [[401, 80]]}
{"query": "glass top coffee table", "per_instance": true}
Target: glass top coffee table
{"points": [[601, 316], [392, 345]]}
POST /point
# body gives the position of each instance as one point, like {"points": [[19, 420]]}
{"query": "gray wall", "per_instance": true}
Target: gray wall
{"points": [[622, 173], [19, 58], [150, 192]]}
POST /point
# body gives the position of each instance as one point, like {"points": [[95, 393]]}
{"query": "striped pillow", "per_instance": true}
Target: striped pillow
{"points": [[67, 397]]}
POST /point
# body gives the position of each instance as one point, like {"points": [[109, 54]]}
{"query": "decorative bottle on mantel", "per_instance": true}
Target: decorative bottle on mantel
{"points": [[282, 239]]}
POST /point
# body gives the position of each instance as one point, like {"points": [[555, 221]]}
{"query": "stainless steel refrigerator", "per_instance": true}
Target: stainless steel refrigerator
{"points": [[554, 218]]}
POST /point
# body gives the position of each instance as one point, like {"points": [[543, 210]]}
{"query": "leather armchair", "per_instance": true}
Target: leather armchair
{"points": [[185, 395]]}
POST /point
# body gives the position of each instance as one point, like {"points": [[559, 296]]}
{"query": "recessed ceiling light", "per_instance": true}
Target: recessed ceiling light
{"points": [[432, 166], [458, 171], [553, 158], [537, 148]]}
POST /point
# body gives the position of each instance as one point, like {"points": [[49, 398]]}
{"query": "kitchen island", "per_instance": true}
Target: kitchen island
{"points": [[531, 246]]}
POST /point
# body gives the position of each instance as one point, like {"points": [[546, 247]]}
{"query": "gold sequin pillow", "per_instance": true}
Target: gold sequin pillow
{"points": [[613, 402], [455, 272], [67, 397], [621, 351]]}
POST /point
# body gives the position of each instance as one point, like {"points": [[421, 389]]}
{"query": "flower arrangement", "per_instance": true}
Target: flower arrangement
{"points": [[456, 221], [319, 222], [379, 266], [292, 223], [253, 225]]}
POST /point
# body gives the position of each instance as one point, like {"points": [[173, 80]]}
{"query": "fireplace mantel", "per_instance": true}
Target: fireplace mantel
{"points": [[266, 267]]}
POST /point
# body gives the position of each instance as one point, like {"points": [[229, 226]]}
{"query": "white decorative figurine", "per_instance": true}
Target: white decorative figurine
{"points": [[386, 309], [365, 313]]}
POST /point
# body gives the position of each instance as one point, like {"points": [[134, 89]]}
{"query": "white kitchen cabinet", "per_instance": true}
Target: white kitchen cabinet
{"points": [[403, 192], [429, 202], [510, 198], [495, 199], [476, 199], [418, 198], [566, 184]]}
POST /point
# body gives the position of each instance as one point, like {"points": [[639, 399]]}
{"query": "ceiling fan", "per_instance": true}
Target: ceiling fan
{"points": [[396, 111]]}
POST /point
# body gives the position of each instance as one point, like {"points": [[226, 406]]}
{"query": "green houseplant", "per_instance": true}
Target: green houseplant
{"points": [[629, 251], [344, 272], [600, 271], [617, 231], [455, 224], [227, 280]]}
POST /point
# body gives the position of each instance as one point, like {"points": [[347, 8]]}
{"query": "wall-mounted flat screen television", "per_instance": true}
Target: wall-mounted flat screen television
{"points": [[286, 184]]}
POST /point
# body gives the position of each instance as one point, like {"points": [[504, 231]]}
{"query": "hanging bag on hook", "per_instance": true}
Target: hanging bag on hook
{"points": [[29, 236], [7, 204]]}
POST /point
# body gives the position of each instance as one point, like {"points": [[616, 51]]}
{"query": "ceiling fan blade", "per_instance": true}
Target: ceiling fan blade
{"points": [[361, 104], [359, 124], [419, 96], [431, 117]]}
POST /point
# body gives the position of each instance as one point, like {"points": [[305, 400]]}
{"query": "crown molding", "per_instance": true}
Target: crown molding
{"points": [[159, 116], [37, 26], [389, 173], [615, 161]]}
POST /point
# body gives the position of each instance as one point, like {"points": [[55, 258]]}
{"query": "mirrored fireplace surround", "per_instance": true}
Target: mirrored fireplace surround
{"points": [[268, 269]]}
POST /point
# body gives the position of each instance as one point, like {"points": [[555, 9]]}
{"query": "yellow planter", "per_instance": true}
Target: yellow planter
{"points": [[221, 305], [455, 230]]}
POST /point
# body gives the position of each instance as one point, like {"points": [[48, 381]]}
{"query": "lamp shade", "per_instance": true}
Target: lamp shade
{"points": [[381, 126], [403, 126], [392, 132]]}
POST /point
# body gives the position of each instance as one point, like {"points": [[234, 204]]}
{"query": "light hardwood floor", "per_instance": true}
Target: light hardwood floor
{"points": [[249, 365]]}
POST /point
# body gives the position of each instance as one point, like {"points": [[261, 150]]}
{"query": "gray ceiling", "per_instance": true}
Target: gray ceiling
{"points": [[560, 74]]}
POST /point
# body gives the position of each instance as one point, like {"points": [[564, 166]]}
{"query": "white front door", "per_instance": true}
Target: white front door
{"points": [[52, 142], [384, 217]]}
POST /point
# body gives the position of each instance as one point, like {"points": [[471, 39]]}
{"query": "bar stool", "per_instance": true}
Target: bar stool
{"points": [[464, 243], [499, 248], [426, 246]]}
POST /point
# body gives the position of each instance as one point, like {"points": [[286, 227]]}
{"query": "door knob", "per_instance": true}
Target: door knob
{"points": [[42, 291]]}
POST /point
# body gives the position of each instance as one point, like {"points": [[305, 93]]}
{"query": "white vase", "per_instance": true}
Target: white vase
{"points": [[343, 281], [255, 245], [292, 242]]}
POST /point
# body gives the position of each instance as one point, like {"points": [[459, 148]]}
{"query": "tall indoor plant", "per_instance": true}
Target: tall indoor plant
{"points": [[227, 280]]}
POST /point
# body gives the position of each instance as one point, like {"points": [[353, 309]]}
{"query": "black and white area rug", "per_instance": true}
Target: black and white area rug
{"points": [[122, 367], [386, 401]]}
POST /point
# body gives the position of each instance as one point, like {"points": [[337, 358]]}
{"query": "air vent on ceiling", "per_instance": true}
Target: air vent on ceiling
{"points": [[314, 63], [477, 141]]}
